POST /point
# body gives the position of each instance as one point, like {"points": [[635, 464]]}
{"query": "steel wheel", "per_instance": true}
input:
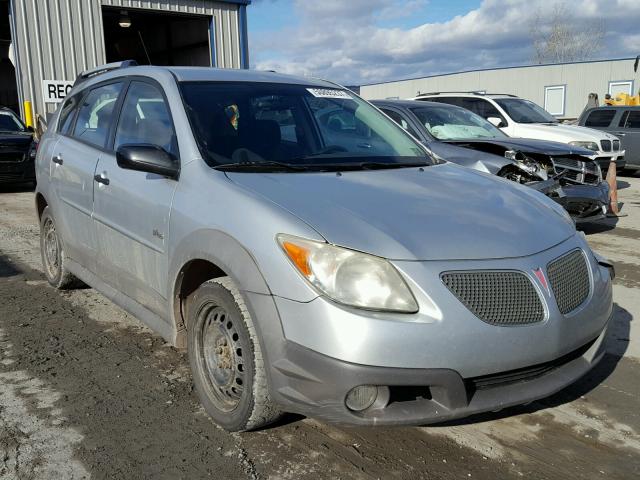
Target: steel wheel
{"points": [[51, 248], [221, 355], [226, 359]]}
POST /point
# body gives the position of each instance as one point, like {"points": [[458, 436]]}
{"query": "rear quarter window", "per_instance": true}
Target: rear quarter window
{"points": [[600, 118]]}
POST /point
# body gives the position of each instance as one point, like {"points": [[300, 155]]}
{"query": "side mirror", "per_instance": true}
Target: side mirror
{"points": [[496, 122], [147, 158]]}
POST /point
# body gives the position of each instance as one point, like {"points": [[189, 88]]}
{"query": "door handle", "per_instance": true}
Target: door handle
{"points": [[101, 179], [57, 159]]}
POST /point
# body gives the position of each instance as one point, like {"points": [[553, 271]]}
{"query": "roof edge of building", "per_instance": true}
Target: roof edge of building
{"points": [[498, 68]]}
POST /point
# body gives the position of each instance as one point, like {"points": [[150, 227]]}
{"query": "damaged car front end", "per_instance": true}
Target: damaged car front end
{"points": [[560, 171]]}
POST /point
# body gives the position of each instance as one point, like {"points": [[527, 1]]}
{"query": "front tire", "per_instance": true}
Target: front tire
{"points": [[53, 255], [226, 359]]}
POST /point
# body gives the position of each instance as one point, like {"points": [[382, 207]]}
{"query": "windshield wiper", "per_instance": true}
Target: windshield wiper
{"points": [[382, 165], [260, 165], [318, 166]]}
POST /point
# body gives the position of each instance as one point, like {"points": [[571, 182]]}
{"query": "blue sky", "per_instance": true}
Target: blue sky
{"points": [[364, 41], [271, 15]]}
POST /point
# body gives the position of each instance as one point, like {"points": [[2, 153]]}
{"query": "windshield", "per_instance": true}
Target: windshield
{"points": [[452, 123], [293, 125], [524, 111], [10, 123]]}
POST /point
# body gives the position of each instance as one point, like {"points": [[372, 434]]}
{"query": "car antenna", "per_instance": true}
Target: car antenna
{"points": [[144, 47]]}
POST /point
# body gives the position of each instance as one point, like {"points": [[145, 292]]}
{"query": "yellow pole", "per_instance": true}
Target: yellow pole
{"points": [[28, 113]]}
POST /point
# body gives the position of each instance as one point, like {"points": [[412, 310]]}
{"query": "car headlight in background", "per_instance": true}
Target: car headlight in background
{"points": [[590, 145], [348, 277]]}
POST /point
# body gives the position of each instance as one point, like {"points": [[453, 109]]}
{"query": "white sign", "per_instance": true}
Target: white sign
{"points": [[54, 91], [328, 93]]}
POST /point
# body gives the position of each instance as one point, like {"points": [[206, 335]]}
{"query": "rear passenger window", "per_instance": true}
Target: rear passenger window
{"points": [[600, 118], [145, 118], [96, 113], [481, 107], [633, 119]]}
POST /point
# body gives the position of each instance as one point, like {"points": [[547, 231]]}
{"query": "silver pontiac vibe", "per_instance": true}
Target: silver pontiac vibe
{"points": [[309, 253]]}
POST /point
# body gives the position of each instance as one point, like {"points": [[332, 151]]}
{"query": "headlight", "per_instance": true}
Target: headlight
{"points": [[349, 277], [590, 145]]}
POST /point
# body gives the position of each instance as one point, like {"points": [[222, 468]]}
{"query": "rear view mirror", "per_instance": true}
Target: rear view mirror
{"points": [[147, 158], [496, 122]]}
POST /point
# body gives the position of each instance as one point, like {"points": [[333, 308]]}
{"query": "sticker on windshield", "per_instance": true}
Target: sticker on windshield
{"points": [[328, 93]]}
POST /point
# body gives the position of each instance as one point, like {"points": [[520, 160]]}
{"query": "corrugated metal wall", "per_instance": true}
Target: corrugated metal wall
{"points": [[57, 39], [526, 82]]}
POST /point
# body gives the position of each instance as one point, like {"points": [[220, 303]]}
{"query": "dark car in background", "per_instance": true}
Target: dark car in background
{"points": [[621, 121], [561, 171], [17, 149]]}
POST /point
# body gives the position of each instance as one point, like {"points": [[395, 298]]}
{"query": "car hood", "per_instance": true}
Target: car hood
{"points": [[468, 157], [559, 132], [529, 145], [443, 212]]}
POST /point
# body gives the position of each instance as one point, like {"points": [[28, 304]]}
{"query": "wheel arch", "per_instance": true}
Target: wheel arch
{"points": [[194, 262], [41, 204]]}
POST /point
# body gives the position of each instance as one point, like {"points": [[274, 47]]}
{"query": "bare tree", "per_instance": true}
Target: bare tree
{"points": [[558, 38]]}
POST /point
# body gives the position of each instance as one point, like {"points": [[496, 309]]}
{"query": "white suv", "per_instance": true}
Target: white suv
{"points": [[522, 118]]}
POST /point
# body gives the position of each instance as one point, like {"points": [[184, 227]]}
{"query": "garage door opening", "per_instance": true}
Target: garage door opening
{"points": [[8, 87], [153, 38]]}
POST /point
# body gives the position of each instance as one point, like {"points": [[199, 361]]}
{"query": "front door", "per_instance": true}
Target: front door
{"points": [[132, 208], [629, 133], [74, 161]]}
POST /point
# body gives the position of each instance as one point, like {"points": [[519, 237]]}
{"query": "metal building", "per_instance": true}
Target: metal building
{"points": [[44, 44], [562, 89]]}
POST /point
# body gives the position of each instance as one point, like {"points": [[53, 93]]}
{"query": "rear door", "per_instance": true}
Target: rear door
{"points": [[131, 210], [84, 130]]}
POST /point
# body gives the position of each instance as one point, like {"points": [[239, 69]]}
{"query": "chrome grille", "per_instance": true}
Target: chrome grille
{"points": [[568, 162], [606, 145], [616, 145], [577, 171], [498, 298], [569, 279]]}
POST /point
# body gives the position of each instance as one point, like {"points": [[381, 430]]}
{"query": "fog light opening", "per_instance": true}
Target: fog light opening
{"points": [[362, 397]]}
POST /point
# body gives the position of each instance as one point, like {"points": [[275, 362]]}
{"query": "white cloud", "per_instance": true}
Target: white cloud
{"points": [[341, 40]]}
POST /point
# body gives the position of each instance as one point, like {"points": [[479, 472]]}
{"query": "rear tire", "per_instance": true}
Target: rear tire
{"points": [[226, 359], [53, 255]]}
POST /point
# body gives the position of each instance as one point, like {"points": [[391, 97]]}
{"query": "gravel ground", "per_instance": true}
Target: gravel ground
{"points": [[88, 391]]}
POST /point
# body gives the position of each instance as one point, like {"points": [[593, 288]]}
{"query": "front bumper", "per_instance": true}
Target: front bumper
{"points": [[316, 385], [585, 203], [318, 350]]}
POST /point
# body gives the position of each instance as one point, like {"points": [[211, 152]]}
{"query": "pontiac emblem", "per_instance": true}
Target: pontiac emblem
{"points": [[542, 279]]}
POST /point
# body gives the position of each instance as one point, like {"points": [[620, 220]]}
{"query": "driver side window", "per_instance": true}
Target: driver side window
{"points": [[145, 119]]}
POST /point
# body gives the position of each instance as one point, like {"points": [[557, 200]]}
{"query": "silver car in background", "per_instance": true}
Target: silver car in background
{"points": [[309, 253]]}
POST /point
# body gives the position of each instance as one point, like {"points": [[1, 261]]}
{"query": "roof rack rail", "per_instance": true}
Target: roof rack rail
{"points": [[87, 74], [475, 92]]}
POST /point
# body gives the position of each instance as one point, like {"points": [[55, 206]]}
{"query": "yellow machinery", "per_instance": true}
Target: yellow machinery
{"points": [[622, 99]]}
